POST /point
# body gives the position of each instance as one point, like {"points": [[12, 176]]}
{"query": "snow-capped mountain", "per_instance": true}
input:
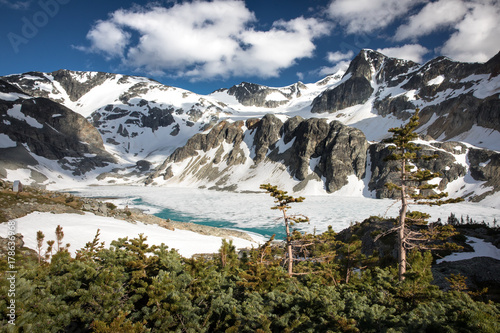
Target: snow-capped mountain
{"points": [[307, 137]]}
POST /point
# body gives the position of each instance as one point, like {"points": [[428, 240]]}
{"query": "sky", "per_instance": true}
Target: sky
{"points": [[203, 46]]}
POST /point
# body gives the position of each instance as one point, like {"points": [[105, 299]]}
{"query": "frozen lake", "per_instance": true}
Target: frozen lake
{"points": [[251, 211]]}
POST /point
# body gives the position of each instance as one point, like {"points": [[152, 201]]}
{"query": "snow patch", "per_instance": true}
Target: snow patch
{"points": [[6, 141], [481, 249], [10, 97], [436, 81], [15, 112], [276, 96], [80, 229]]}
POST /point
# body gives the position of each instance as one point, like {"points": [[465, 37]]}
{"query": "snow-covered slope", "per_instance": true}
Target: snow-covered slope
{"points": [[165, 135], [80, 229]]}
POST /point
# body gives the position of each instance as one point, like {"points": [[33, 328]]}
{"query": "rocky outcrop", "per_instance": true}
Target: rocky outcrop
{"points": [[251, 94], [320, 150], [356, 85], [77, 84], [267, 134], [53, 131], [485, 166], [354, 91], [309, 149], [204, 167], [480, 272], [224, 131]]}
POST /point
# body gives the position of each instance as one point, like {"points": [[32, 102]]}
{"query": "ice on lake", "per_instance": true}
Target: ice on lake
{"points": [[251, 211]]}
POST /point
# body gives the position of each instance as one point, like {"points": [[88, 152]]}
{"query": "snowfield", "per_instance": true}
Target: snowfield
{"points": [[80, 229]]}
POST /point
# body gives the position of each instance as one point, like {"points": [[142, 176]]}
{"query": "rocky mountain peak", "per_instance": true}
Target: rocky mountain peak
{"points": [[77, 84], [365, 64]]}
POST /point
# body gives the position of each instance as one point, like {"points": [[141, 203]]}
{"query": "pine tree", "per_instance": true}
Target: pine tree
{"points": [[413, 185], [227, 254], [282, 203], [39, 244], [59, 237]]}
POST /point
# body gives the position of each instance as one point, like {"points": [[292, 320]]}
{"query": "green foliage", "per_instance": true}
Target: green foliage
{"points": [[282, 203], [413, 185], [133, 287], [415, 182], [111, 205]]}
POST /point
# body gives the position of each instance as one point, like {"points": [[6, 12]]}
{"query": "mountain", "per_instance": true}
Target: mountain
{"points": [[322, 137]]}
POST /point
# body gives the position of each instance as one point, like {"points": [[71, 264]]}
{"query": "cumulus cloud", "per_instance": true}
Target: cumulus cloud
{"points": [[367, 15], [477, 36], [433, 16], [413, 52], [474, 25], [339, 66], [334, 57], [107, 38], [340, 62], [202, 40]]}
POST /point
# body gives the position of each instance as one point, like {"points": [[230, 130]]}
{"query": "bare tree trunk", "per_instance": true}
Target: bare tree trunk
{"points": [[348, 266], [402, 218], [288, 245]]}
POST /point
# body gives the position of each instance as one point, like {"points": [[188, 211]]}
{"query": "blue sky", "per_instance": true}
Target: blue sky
{"points": [[205, 45]]}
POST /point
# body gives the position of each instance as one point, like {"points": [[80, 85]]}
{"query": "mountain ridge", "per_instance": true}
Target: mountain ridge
{"points": [[262, 130]]}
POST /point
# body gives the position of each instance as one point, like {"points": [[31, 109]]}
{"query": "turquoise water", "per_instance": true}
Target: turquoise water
{"points": [[166, 213]]}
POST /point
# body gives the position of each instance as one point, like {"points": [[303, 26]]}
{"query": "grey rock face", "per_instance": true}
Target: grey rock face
{"points": [[251, 94], [76, 88], [222, 132], [266, 136], [153, 118], [479, 271], [332, 151], [354, 91], [51, 130], [357, 88], [485, 166], [445, 90]]}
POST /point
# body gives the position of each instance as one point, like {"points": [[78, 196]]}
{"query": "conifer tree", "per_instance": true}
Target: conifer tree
{"points": [[227, 254], [282, 203], [59, 237], [39, 244], [413, 185]]}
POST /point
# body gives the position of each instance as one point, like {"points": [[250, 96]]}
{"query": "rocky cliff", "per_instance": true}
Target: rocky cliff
{"points": [[313, 152], [453, 97], [38, 126]]}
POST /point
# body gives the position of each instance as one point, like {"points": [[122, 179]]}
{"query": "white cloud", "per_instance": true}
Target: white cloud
{"points": [[203, 40], [474, 22], [413, 52], [477, 38], [367, 15], [340, 66], [107, 38], [433, 16], [335, 57]]}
